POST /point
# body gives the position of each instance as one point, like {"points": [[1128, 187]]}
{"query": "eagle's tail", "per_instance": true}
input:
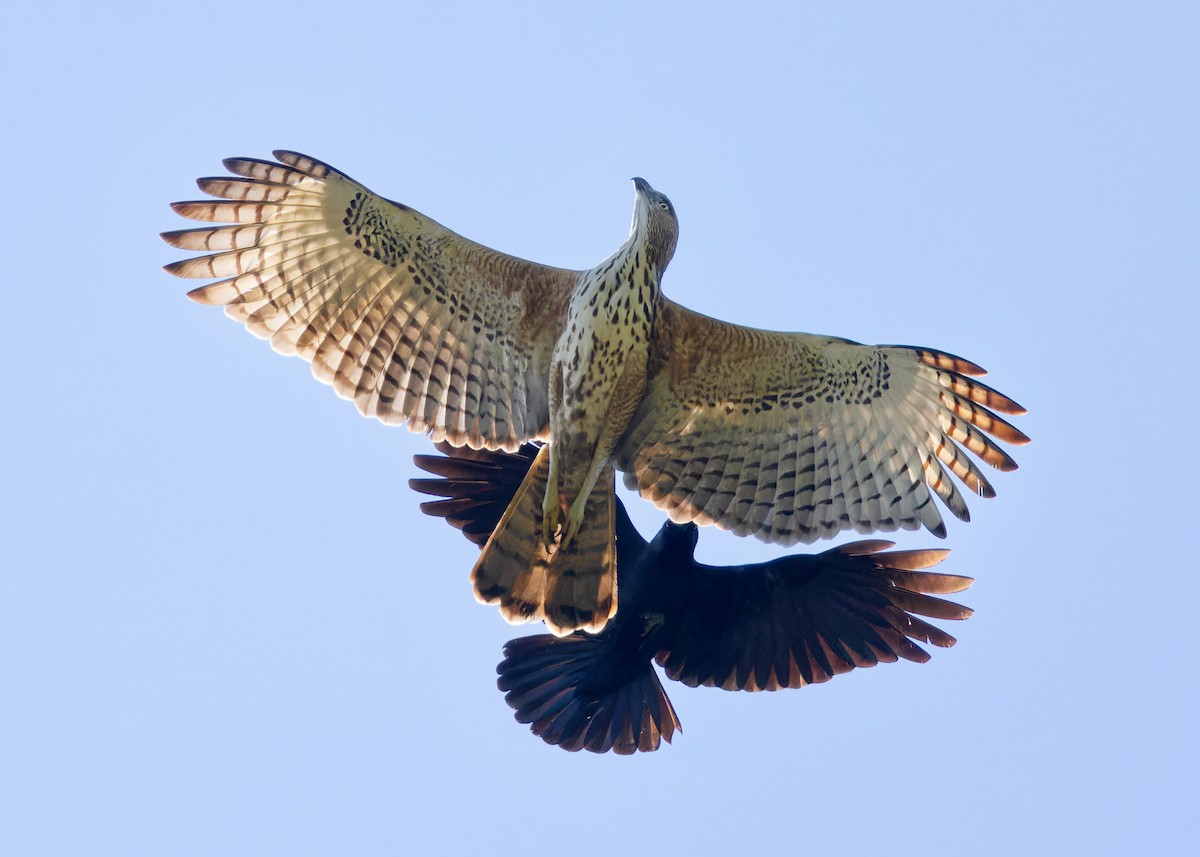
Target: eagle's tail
{"points": [[574, 693], [573, 588]]}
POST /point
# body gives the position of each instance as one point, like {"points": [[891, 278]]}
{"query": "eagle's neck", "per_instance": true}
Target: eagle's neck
{"points": [[623, 291]]}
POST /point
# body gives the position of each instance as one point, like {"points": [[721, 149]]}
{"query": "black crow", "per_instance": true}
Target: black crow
{"points": [[790, 622]]}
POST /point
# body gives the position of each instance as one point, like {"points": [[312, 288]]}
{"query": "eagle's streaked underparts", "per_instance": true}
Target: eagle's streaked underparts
{"points": [[790, 437]]}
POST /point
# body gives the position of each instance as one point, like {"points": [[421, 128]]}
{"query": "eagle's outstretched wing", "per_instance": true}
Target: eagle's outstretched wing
{"points": [[414, 323], [793, 437]]}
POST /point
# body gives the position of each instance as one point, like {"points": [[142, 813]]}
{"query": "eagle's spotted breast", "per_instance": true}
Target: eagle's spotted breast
{"points": [[602, 358]]}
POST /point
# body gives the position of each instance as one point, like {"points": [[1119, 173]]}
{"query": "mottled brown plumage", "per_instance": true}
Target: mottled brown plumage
{"points": [[786, 436]]}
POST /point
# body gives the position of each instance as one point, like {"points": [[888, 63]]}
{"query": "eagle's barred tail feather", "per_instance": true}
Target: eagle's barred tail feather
{"points": [[582, 580], [571, 589]]}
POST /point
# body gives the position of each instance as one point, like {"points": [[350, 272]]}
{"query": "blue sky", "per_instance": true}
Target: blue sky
{"points": [[225, 628]]}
